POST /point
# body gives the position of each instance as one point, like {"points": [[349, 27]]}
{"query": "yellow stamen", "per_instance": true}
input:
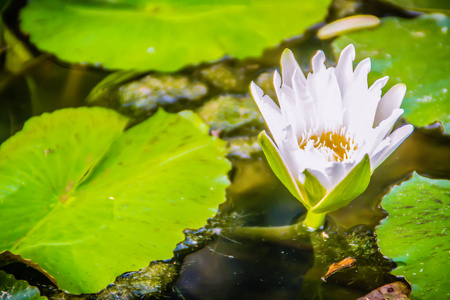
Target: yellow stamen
{"points": [[335, 145]]}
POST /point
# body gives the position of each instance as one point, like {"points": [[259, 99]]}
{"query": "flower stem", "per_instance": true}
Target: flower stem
{"points": [[314, 221], [279, 233]]}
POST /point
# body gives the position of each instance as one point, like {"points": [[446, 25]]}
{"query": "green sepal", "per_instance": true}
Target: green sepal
{"points": [[348, 189], [314, 188], [279, 168]]}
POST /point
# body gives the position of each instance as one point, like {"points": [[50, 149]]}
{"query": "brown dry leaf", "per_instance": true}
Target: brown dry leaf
{"points": [[346, 263], [393, 291], [8, 257]]}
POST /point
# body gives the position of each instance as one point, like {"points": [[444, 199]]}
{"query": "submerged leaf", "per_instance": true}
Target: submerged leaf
{"points": [[88, 202], [414, 52], [425, 5], [13, 289], [415, 235], [164, 35]]}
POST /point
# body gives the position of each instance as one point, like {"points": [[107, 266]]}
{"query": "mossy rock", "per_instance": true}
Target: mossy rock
{"points": [[229, 115], [142, 97], [243, 147], [225, 78]]}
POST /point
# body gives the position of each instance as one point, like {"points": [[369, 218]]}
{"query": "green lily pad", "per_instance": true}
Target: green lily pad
{"points": [[426, 5], [13, 289], [88, 202], [164, 35], [416, 53], [415, 235]]}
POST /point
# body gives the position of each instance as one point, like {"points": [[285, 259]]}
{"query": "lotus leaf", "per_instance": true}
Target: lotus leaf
{"points": [[88, 202], [416, 53], [164, 35], [415, 235]]}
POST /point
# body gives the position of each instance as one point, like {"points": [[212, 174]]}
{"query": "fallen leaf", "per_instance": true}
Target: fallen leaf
{"points": [[393, 291], [7, 257], [346, 263]]}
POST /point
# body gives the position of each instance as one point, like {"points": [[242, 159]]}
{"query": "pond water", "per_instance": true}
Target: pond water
{"points": [[230, 267], [243, 269]]}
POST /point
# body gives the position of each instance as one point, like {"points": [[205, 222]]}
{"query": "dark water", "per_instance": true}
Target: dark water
{"points": [[242, 269]]}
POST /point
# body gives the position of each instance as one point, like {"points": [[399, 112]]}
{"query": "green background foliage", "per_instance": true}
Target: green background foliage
{"points": [[164, 35]]}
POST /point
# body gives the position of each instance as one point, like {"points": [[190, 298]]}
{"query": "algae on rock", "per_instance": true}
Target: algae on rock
{"points": [[142, 97], [232, 116], [225, 78]]}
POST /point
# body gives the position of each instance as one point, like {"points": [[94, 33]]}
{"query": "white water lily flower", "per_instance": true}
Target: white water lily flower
{"points": [[330, 130]]}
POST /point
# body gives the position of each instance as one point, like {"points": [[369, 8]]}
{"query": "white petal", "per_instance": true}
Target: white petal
{"points": [[288, 140], [324, 88], [289, 164], [378, 152], [379, 133], [281, 89], [370, 100], [385, 127], [355, 99], [396, 138], [306, 107], [361, 72], [328, 173], [358, 87], [360, 102], [313, 158], [296, 160], [277, 82], [381, 146], [291, 153], [289, 104], [336, 172], [379, 84], [344, 68], [390, 101], [260, 98], [288, 66], [270, 111], [317, 62], [322, 177]]}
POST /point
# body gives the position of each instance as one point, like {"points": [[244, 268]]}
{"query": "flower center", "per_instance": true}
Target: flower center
{"points": [[334, 145]]}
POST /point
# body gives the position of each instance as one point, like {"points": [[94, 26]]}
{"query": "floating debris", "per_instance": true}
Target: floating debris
{"points": [[393, 291], [348, 24], [346, 263]]}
